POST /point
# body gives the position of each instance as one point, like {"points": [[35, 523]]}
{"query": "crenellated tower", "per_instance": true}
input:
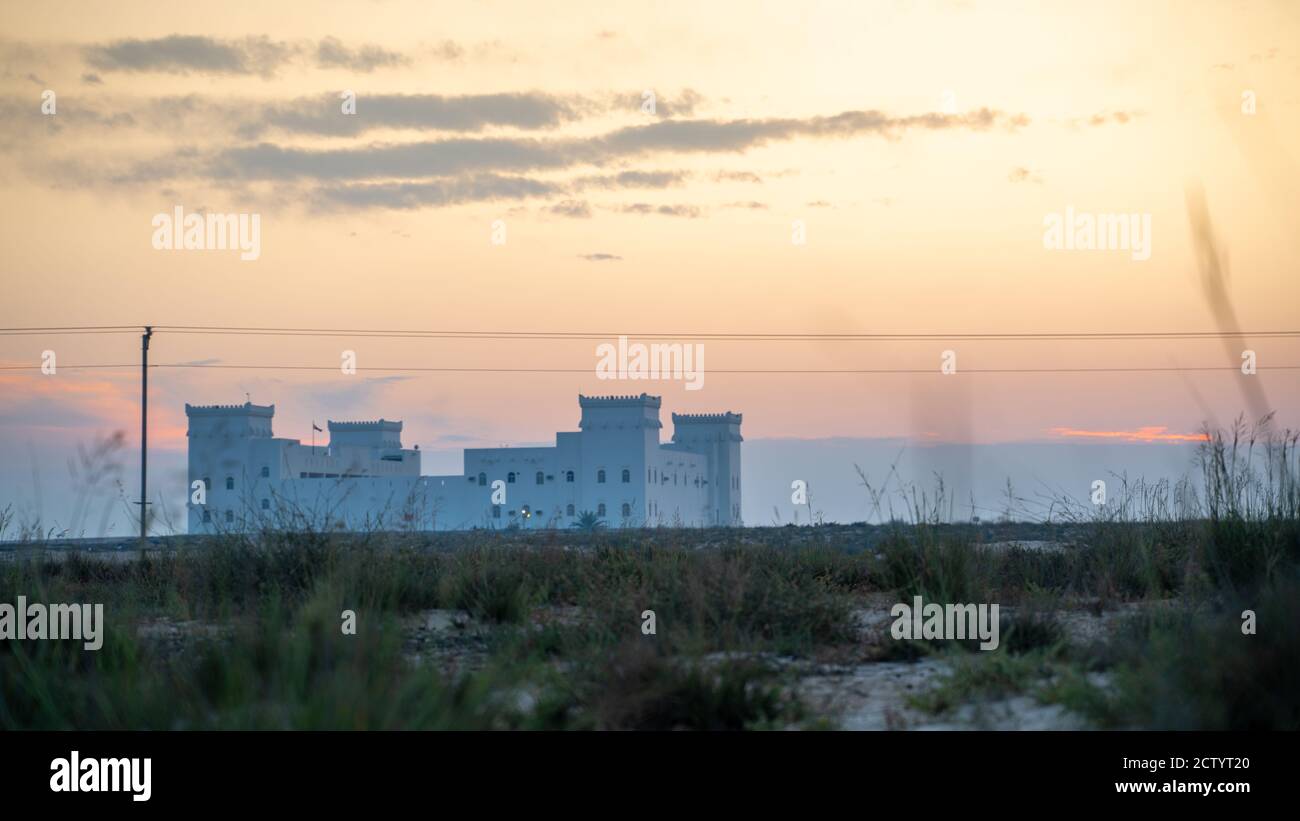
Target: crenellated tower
{"points": [[716, 436]]}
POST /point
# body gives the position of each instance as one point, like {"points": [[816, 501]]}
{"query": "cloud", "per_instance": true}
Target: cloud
{"points": [[635, 179], [185, 54], [268, 161], [752, 204], [331, 53], [576, 209], [737, 176], [409, 195], [91, 78], [322, 115], [599, 257], [689, 211], [1102, 118], [1145, 434], [1019, 174]]}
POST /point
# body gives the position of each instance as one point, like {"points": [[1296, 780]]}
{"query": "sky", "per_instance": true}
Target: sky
{"points": [[503, 170]]}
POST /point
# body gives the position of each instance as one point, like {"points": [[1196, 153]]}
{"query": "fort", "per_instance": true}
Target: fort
{"points": [[614, 466]]}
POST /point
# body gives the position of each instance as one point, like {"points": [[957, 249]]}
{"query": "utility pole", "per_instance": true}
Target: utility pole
{"points": [[144, 435]]}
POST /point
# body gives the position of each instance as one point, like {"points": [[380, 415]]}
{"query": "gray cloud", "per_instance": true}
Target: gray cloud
{"points": [[751, 204], [457, 156], [436, 193], [323, 114], [185, 54], [331, 53], [635, 179], [576, 209], [737, 176], [689, 211], [600, 257]]}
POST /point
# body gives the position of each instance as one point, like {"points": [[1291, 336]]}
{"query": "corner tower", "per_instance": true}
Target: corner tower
{"points": [[716, 436]]}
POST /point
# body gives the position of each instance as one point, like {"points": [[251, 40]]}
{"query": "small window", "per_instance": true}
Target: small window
{"points": [[510, 477], [230, 516], [568, 476], [627, 476], [649, 477], [230, 483], [266, 504], [600, 477], [207, 516], [627, 510], [569, 510], [482, 480], [600, 509], [541, 478], [496, 511], [266, 472], [207, 483]]}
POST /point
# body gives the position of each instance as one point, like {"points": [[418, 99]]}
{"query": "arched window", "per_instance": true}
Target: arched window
{"points": [[541, 478], [627, 476], [482, 480], [266, 504], [568, 476], [510, 477], [230, 484], [627, 510], [600, 509], [600, 477], [569, 509]]}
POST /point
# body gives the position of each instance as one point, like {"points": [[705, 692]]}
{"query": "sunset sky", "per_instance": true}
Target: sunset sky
{"points": [[920, 144]]}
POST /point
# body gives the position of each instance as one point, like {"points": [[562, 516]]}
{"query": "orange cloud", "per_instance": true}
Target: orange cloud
{"points": [[1147, 434]]}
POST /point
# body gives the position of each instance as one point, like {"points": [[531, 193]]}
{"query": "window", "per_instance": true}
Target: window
{"points": [[568, 476], [569, 510], [496, 511], [266, 504], [207, 483], [600, 509], [627, 476], [230, 484], [627, 510], [541, 478], [266, 472], [230, 516], [482, 480], [649, 475], [207, 516], [510, 477], [600, 477]]}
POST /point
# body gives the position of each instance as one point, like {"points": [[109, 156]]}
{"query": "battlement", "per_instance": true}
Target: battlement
{"points": [[246, 409], [707, 418], [377, 424], [630, 401]]}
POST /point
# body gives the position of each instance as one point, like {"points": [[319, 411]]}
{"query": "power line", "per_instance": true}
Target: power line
{"points": [[737, 336], [449, 369]]}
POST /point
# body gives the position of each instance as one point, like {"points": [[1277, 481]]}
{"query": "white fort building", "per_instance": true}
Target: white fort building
{"points": [[614, 466]]}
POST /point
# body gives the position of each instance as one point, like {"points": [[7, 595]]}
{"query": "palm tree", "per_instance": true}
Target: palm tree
{"points": [[588, 522]]}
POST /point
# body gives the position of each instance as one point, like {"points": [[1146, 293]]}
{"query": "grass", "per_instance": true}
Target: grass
{"points": [[556, 640]]}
